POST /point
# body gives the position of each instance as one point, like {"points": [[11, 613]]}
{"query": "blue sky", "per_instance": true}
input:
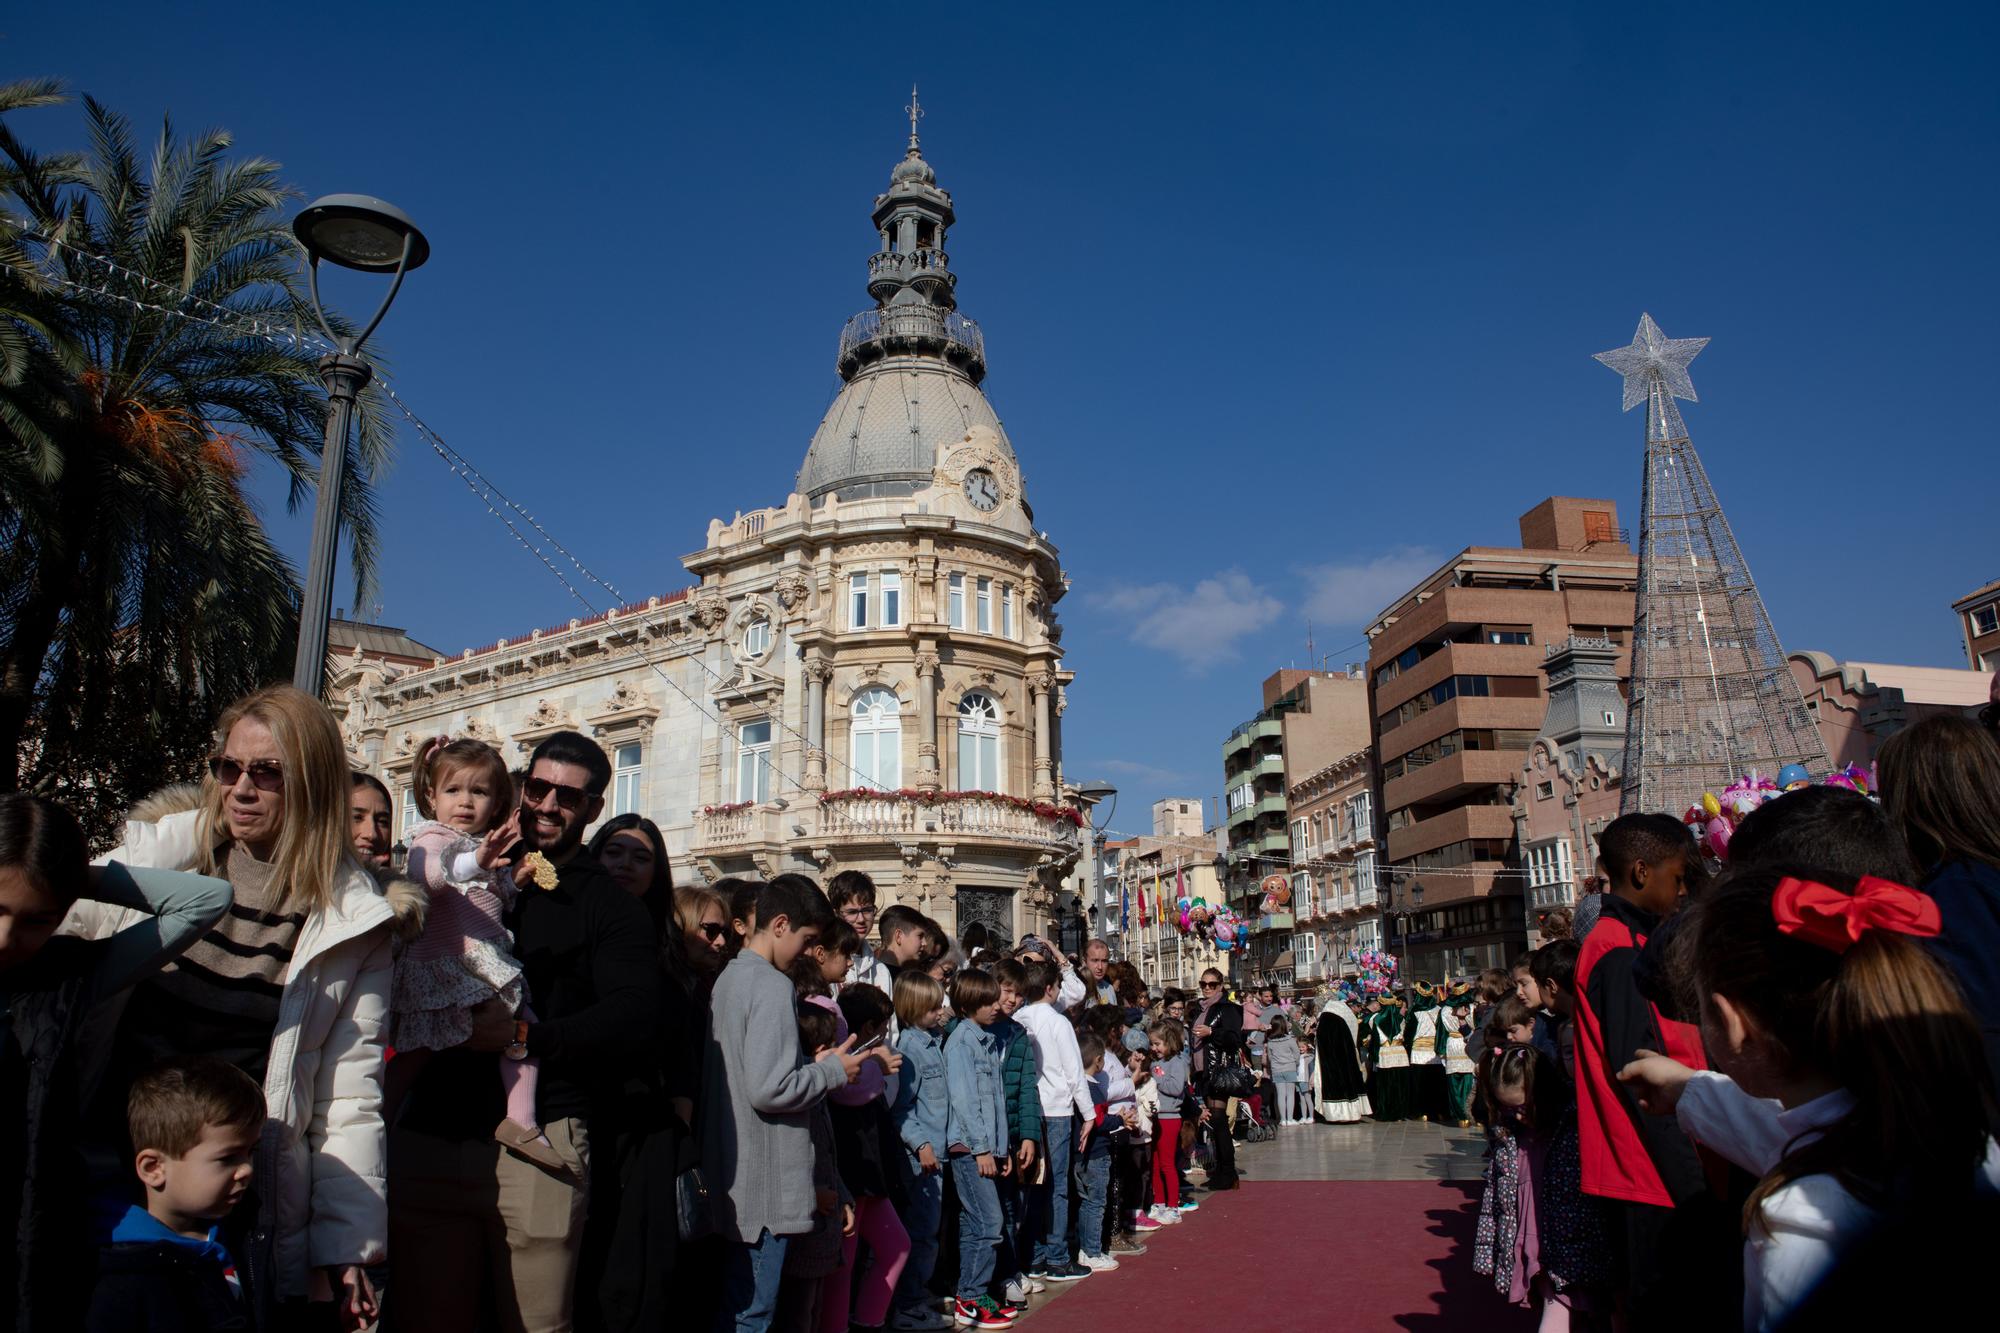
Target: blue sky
{"points": [[1283, 305]]}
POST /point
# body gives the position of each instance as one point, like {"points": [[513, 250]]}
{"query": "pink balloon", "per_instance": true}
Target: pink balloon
{"points": [[1719, 833]]}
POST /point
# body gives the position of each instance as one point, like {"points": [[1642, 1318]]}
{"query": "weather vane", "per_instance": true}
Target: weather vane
{"points": [[916, 113]]}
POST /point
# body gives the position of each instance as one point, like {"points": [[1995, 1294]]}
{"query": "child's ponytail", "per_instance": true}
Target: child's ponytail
{"points": [[1831, 969]]}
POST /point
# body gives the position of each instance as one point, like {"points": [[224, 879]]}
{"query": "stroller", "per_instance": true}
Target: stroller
{"points": [[1253, 1123]]}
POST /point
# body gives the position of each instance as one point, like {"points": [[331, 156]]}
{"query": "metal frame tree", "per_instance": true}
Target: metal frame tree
{"points": [[1712, 694]]}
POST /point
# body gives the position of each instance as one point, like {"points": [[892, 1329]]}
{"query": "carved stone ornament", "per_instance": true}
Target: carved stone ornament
{"points": [[927, 664], [1041, 682], [818, 668], [791, 589], [476, 730], [406, 742], [546, 714], [625, 697], [711, 613]]}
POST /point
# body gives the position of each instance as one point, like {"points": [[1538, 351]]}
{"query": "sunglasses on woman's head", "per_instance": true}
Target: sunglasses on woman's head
{"points": [[536, 790], [265, 774]]}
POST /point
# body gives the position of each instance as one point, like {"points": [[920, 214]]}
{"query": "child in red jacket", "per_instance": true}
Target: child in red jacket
{"points": [[1644, 1164]]}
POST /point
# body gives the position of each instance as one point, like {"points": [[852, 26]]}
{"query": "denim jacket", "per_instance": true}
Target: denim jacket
{"points": [[920, 1092], [977, 1117]]}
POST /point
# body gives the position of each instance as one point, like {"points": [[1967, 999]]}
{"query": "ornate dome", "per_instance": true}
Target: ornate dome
{"points": [[912, 169], [885, 429]]}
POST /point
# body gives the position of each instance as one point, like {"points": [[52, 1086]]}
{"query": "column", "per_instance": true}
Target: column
{"points": [[818, 671], [1041, 684], [929, 776]]}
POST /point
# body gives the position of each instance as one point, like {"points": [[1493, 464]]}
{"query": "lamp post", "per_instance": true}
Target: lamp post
{"points": [[1106, 795], [1411, 897], [370, 236]]}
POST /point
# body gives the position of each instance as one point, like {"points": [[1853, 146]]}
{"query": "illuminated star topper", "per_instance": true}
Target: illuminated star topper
{"points": [[1654, 355]]}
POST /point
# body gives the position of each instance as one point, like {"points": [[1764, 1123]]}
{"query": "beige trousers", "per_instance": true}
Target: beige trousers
{"points": [[475, 1230]]}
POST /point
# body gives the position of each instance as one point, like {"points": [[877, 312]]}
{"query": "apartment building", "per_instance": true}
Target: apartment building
{"points": [[1335, 870], [1979, 619], [1309, 719], [1457, 696]]}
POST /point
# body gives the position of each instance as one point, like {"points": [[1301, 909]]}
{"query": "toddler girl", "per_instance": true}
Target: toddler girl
{"points": [[1846, 1072], [1281, 1057], [458, 855], [1170, 1082], [1540, 1238]]}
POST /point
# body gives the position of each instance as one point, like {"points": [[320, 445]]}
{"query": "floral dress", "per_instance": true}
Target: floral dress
{"points": [[463, 957]]}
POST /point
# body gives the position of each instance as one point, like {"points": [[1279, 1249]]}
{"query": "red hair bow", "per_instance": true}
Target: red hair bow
{"points": [[1834, 920]]}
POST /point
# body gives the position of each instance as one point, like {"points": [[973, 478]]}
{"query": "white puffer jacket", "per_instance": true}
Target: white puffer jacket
{"points": [[323, 1085]]}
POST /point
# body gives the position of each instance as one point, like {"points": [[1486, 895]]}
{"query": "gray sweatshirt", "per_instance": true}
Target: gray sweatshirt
{"points": [[758, 1091], [1281, 1055]]}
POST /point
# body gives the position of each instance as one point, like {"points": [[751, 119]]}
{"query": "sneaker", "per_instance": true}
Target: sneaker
{"points": [[1097, 1263], [1125, 1245], [974, 1314], [1070, 1272], [918, 1319], [1034, 1284], [1144, 1222], [1016, 1291], [1165, 1216], [1190, 1206], [1007, 1310]]}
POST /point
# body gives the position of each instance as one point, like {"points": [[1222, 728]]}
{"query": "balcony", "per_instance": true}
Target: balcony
{"points": [[1454, 774], [873, 334], [1250, 733], [1269, 766], [885, 819]]}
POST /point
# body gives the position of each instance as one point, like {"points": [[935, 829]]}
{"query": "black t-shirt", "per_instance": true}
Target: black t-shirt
{"points": [[590, 958]]}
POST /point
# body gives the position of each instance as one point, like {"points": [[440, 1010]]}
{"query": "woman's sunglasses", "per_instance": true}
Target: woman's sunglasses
{"points": [[265, 774], [714, 932], [537, 790]]}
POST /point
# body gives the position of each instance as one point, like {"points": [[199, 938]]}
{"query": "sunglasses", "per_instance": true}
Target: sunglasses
{"points": [[1211, 985], [713, 932], [536, 790], [265, 774]]}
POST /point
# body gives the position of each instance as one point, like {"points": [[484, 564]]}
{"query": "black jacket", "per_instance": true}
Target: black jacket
{"points": [[590, 958], [48, 1264], [1225, 1038], [144, 1288]]}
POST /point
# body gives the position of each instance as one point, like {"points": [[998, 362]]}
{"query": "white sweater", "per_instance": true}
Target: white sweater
{"points": [[1805, 1224], [1064, 1089]]}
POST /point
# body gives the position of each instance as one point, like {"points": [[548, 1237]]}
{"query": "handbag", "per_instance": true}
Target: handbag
{"points": [[1231, 1080], [694, 1208]]}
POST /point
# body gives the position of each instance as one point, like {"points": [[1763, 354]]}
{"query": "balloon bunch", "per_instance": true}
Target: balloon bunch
{"points": [[1715, 819], [1375, 975]]}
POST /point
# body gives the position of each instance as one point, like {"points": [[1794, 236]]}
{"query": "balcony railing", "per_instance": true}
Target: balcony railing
{"points": [[914, 323], [885, 817]]}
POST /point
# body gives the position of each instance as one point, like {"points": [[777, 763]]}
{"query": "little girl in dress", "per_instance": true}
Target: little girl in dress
{"points": [[463, 956]]}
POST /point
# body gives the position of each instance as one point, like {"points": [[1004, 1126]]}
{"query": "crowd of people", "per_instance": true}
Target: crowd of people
{"points": [[1763, 1095], [263, 1070], [260, 1070]]}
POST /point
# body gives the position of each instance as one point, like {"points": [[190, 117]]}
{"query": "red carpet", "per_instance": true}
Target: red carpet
{"points": [[1279, 1256]]}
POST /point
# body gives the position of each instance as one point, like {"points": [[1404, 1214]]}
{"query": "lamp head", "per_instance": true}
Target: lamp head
{"points": [[360, 232]]}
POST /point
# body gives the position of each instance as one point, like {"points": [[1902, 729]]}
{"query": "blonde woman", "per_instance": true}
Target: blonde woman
{"points": [[291, 985]]}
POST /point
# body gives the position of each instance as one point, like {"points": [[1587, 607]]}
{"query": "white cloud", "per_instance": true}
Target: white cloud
{"points": [[1199, 625], [1353, 592]]}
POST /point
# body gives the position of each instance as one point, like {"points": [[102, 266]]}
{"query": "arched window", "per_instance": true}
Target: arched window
{"points": [[877, 739], [978, 743]]}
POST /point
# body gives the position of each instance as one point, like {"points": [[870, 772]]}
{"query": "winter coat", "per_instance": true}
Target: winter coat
{"points": [[325, 1139], [1020, 1079]]}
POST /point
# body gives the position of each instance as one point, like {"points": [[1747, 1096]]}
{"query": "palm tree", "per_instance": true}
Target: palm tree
{"points": [[138, 589]]}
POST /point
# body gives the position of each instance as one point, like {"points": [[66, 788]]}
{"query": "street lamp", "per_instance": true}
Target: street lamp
{"points": [[1412, 898], [370, 236], [1104, 794]]}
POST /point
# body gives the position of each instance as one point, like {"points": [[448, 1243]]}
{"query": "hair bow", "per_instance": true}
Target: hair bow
{"points": [[437, 743], [1834, 920]]}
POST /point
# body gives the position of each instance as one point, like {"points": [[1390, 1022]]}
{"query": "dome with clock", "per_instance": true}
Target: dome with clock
{"points": [[911, 366]]}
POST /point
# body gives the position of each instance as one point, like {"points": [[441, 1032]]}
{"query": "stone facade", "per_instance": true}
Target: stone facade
{"points": [[1336, 872], [867, 676]]}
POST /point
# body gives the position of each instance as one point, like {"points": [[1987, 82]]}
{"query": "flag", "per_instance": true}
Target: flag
{"points": [[1142, 907], [1124, 908], [1159, 897]]}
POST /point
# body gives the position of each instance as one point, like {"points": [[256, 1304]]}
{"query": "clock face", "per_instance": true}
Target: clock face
{"points": [[983, 489]]}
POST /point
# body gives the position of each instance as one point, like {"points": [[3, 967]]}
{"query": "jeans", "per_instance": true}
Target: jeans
{"points": [[978, 1226], [750, 1274], [1051, 1203], [922, 1208], [1011, 1263], [1093, 1183]]}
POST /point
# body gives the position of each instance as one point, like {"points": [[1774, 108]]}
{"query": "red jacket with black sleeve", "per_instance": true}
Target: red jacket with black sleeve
{"points": [[1627, 1154]]}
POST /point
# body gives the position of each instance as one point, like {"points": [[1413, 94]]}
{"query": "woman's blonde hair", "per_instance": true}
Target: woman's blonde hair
{"points": [[313, 846]]}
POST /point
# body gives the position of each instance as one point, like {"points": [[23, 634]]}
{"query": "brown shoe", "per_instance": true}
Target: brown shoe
{"points": [[530, 1146]]}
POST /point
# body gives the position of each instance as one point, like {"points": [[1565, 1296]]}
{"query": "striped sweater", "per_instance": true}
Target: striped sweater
{"points": [[221, 996]]}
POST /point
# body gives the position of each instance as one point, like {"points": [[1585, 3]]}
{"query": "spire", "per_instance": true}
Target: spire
{"points": [[910, 276], [1712, 695]]}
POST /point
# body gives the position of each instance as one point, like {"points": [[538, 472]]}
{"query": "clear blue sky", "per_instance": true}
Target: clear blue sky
{"points": [[1282, 306]]}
